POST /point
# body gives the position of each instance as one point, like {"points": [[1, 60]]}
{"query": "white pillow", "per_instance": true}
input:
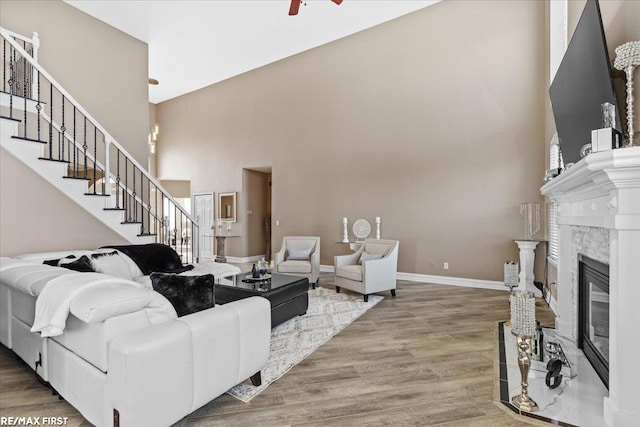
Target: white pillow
{"points": [[99, 303], [366, 256], [115, 264], [303, 254]]}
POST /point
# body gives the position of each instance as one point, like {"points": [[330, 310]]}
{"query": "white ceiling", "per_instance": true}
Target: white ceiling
{"points": [[193, 44]]}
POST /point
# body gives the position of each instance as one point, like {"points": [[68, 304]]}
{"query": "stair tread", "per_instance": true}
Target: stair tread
{"points": [[2, 116], [53, 160], [146, 234], [96, 194], [114, 209], [131, 222], [39, 141], [77, 177]]}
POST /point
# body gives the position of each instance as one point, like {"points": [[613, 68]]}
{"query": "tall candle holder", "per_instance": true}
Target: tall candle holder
{"points": [[345, 232], [523, 326], [510, 279], [627, 59]]}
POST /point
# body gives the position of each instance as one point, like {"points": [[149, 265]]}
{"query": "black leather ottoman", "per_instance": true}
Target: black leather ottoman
{"points": [[287, 294]]}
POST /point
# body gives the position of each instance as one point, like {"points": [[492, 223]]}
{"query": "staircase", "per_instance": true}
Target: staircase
{"points": [[51, 133]]}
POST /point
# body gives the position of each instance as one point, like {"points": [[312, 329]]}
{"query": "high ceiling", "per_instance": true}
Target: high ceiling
{"points": [[193, 44]]}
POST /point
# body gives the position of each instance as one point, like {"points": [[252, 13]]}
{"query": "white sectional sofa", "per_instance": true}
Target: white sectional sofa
{"points": [[130, 361]]}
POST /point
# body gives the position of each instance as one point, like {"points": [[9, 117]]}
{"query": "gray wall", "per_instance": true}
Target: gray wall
{"points": [[434, 122]]}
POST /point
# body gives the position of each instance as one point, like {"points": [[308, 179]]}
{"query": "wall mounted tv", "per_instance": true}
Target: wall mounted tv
{"points": [[582, 84]]}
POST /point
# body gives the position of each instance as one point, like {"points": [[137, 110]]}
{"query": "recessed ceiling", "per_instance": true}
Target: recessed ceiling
{"points": [[193, 44]]}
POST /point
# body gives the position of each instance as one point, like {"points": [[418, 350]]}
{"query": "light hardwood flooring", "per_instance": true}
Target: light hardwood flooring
{"points": [[423, 358]]}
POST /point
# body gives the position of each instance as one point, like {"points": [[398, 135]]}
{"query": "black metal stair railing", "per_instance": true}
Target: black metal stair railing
{"points": [[48, 115]]}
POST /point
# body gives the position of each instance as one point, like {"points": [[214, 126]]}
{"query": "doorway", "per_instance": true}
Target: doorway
{"points": [[256, 183], [203, 209]]}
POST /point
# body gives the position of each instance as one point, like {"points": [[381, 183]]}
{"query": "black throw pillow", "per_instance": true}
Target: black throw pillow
{"points": [[55, 262], [82, 264], [187, 294]]}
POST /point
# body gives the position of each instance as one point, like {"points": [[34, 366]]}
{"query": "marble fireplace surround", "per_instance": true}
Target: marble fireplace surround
{"points": [[599, 216]]}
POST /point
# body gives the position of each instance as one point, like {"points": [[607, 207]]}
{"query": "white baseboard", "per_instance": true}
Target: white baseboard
{"points": [[326, 268], [240, 260], [453, 281], [441, 280]]}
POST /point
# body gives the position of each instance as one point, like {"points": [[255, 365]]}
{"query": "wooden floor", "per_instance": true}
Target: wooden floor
{"points": [[423, 358]]}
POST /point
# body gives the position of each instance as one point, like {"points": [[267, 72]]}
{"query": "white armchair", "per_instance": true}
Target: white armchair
{"points": [[299, 256], [370, 269]]}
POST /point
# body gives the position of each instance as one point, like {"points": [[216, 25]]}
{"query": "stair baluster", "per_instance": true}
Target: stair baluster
{"points": [[24, 93], [51, 121], [38, 104], [75, 164]]}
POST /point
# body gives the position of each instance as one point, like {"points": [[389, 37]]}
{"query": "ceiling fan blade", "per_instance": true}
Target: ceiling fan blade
{"points": [[295, 6], [337, 1]]}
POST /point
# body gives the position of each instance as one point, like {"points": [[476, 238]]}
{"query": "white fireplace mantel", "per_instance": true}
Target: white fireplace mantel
{"points": [[602, 191]]}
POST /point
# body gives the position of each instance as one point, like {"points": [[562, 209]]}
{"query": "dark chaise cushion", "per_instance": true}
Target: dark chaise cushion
{"points": [[187, 294], [154, 257]]}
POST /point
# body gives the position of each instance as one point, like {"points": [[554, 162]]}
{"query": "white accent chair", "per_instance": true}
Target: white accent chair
{"points": [[370, 275], [299, 256]]}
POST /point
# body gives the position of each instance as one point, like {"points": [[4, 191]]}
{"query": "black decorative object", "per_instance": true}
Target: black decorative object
{"points": [[187, 294], [554, 377]]}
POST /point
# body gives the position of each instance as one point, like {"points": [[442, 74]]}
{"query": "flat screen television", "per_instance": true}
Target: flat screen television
{"points": [[582, 84]]}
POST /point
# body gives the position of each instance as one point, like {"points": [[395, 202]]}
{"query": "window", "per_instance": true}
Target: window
{"points": [[557, 34], [552, 228]]}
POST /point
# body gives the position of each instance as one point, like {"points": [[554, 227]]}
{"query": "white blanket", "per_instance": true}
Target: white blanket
{"points": [[54, 302]]}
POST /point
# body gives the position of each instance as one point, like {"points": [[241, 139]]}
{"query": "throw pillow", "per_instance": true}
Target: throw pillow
{"points": [[56, 262], [187, 294], [82, 264], [299, 254], [115, 264], [99, 303], [366, 256]]}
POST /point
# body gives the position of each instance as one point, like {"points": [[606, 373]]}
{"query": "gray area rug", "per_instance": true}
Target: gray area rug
{"points": [[295, 339]]}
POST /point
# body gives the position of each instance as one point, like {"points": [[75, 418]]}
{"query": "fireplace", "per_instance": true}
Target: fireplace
{"points": [[593, 314], [600, 196]]}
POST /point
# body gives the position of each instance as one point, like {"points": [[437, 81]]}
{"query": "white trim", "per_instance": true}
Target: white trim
{"points": [[553, 304], [453, 281], [441, 280], [326, 268], [240, 260]]}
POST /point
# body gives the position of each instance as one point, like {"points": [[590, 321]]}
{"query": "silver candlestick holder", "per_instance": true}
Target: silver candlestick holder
{"points": [[345, 232], [523, 326], [627, 59]]}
